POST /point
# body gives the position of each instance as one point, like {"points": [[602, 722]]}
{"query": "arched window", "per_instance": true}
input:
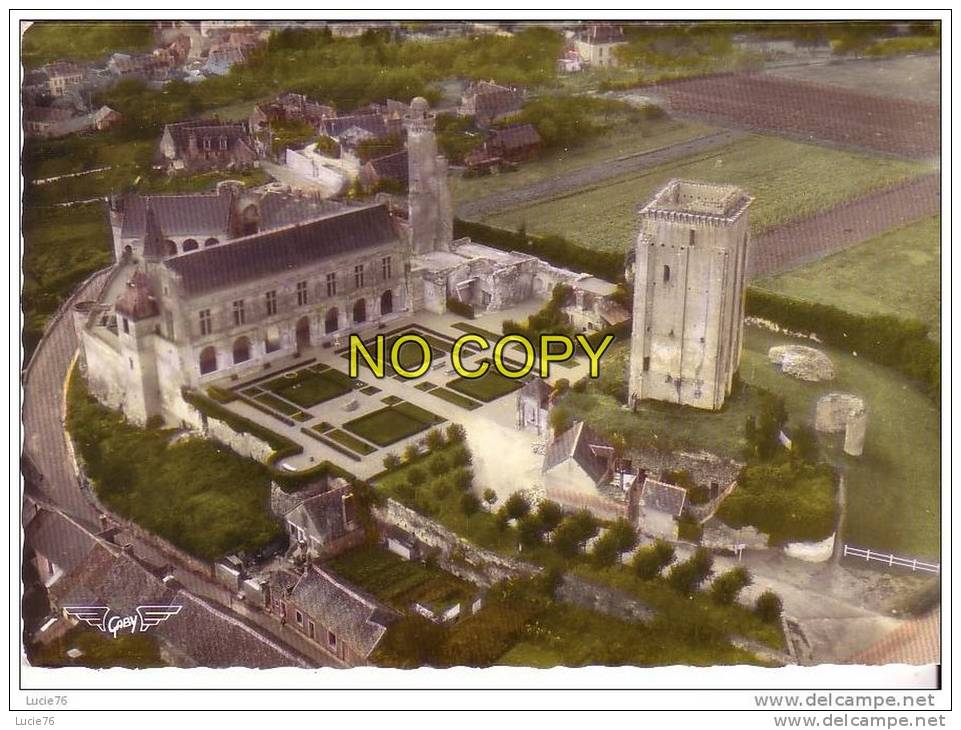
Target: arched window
{"points": [[208, 360], [241, 350], [272, 339], [360, 311], [210, 242], [330, 321], [128, 250], [170, 248], [302, 332], [387, 302], [190, 245]]}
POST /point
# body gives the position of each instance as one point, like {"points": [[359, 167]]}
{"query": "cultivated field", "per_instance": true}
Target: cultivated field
{"points": [[809, 111], [915, 78], [789, 180], [898, 273]]}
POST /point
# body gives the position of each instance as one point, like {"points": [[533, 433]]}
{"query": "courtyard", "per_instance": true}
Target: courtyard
{"points": [[355, 422]]}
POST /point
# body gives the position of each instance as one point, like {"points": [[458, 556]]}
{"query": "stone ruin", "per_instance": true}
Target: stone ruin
{"points": [[802, 362], [843, 412]]}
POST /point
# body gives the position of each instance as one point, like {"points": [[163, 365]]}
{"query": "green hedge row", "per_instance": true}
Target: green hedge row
{"points": [[553, 249], [897, 343]]}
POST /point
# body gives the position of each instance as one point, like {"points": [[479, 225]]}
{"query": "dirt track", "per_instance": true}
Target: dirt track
{"points": [[848, 224], [593, 174]]}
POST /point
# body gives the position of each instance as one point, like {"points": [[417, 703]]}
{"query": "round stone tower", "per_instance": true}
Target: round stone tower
{"points": [[430, 216]]}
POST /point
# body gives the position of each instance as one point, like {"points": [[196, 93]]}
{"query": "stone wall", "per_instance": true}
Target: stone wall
{"points": [[602, 599], [454, 554], [244, 444]]}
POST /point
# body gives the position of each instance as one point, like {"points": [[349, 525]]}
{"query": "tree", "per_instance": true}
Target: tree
{"points": [[688, 576], [441, 487], [455, 433], [727, 586], [650, 561], [585, 523], [549, 514], [618, 539], [391, 461], [490, 497], [460, 455], [804, 444], [530, 531], [463, 479], [434, 439], [560, 419], [469, 505], [516, 506], [769, 607], [566, 539], [411, 452]]}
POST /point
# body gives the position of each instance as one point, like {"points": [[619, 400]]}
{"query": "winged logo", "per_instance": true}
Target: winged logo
{"points": [[99, 617]]}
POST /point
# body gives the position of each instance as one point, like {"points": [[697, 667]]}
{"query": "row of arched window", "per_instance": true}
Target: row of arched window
{"points": [[241, 350], [191, 244]]}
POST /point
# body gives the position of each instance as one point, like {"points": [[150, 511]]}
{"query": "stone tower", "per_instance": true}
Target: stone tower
{"points": [[430, 216], [690, 266]]}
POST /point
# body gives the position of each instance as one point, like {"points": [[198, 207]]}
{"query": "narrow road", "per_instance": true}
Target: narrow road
{"points": [[594, 174]]}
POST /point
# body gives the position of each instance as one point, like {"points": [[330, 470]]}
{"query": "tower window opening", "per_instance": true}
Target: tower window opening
{"points": [[667, 274], [690, 238]]}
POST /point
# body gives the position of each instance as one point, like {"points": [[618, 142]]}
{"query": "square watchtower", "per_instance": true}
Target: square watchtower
{"points": [[690, 265]]}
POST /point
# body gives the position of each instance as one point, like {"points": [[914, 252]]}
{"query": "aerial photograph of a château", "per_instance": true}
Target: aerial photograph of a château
{"points": [[405, 344]]}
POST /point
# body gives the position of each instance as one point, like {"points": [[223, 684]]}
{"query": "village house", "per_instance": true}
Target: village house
{"points": [[488, 102], [597, 45], [47, 122], [322, 520], [578, 472], [660, 506], [387, 172], [594, 307], [341, 619], [289, 107], [62, 76], [206, 144], [516, 143]]}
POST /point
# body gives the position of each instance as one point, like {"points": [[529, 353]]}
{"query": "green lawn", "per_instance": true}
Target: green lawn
{"points": [[456, 398], [898, 273], [789, 180], [352, 443], [80, 40], [393, 423], [62, 247], [490, 386], [400, 583], [100, 651], [310, 386], [625, 139], [201, 496]]}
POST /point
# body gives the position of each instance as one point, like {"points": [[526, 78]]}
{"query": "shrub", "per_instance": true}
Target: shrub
{"points": [[688, 576], [221, 395], [469, 504], [727, 586], [689, 528], [411, 452], [441, 487], [460, 456], [438, 465], [416, 477], [463, 479], [434, 439], [650, 561], [391, 461], [455, 433], [461, 309], [516, 506], [769, 607]]}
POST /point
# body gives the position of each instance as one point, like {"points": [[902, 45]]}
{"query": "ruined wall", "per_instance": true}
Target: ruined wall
{"points": [[603, 599], [456, 555]]}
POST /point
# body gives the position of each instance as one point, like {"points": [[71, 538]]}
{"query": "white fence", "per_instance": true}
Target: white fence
{"points": [[889, 559]]}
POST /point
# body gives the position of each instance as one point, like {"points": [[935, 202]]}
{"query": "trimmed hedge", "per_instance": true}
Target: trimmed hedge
{"points": [[553, 249], [900, 344]]}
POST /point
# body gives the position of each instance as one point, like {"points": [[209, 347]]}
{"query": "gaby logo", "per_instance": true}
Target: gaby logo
{"points": [[99, 617]]}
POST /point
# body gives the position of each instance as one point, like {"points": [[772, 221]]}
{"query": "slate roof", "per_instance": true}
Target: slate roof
{"points": [[587, 449], [497, 103], [208, 214], [393, 166], [213, 129], [137, 302], [336, 126], [663, 497], [322, 515], [55, 537], [282, 502], [356, 617], [282, 250], [515, 137]]}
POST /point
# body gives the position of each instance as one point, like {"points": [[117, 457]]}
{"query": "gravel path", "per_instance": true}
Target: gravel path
{"points": [[593, 174]]}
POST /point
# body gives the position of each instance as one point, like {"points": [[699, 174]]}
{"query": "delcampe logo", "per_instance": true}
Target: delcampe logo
{"points": [[99, 617]]}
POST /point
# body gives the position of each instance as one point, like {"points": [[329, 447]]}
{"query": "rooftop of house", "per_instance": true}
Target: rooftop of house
{"points": [[663, 497], [515, 137], [336, 127], [723, 202], [203, 129], [354, 616], [601, 34], [591, 452], [327, 515], [283, 249], [393, 166]]}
